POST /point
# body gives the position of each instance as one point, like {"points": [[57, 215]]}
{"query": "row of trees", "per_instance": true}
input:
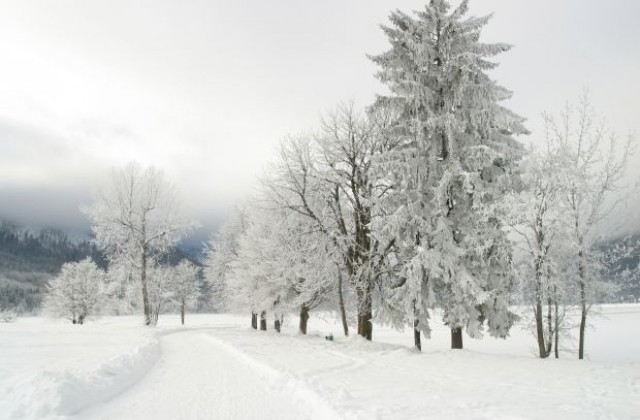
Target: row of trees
{"points": [[413, 204], [425, 200], [563, 204], [136, 224], [82, 290]]}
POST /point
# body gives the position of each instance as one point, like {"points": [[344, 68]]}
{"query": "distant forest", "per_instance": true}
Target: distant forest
{"points": [[29, 258]]}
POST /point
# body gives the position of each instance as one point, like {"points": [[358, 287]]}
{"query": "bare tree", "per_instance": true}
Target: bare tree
{"points": [[184, 285], [135, 218], [327, 179], [536, 216], [593, 167]]}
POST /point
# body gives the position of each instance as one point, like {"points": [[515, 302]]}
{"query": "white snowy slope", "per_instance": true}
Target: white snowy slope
{"points": [[52, 368], [218, 368]]}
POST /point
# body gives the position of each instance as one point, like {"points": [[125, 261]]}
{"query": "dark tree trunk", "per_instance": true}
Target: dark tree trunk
{"points": [[263, 321], [556, 330], [81, 319], [416, 331], [416, 335], [145, 293], [583, 320], [182, 311], [549, 326], [365, 327], [254, 320], [456, 338], [304, 318], [583, 304], [343, 312], [276, 324], [542, 347]]}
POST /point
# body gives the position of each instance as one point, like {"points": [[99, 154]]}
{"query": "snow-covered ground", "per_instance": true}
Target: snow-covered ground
{"points": [[218, 368]]}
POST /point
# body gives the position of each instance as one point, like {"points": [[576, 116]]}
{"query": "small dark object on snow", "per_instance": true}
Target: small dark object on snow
{"points": [[329, 337]]}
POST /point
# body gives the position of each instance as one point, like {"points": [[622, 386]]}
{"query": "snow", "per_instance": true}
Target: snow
{"points": [[50, 368], [218, 367]]}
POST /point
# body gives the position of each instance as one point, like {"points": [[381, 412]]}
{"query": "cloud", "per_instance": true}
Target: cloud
{"points": [[45, 207], [205, 90]]}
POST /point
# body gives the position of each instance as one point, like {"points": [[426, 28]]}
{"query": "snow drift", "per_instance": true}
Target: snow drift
{"points": [[53, 394]]}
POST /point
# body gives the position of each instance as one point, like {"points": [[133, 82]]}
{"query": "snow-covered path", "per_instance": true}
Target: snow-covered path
{"points": [[232, 372], [199, 377]]}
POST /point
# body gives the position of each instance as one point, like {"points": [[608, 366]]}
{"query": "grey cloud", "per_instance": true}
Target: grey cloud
{"points": [[45, 207]]}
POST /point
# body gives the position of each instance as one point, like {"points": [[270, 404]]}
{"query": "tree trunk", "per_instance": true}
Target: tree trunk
{"points": [[304, 318], [416, 335], [276, 324], [549, 326], [254, 320], [416, 331], [365, 327], [155, 315], [556, 331], [583, 320], [583, 303], [542, 348], [263, 321], [456, 338], [145, 293], [182, 311], [343, 312]]}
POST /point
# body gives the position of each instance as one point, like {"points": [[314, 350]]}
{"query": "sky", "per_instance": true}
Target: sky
{"points": [[205, 90]]}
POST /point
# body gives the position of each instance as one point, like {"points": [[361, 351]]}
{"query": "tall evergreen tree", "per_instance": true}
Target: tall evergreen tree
{"points": [[456, 147]]}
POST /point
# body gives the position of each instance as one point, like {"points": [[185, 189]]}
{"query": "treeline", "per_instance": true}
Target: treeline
{"points": [[43, 250], [428, 199], [29, 259]]}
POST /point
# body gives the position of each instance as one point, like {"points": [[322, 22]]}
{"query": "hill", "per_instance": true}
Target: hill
{"points": [[29, 258]]}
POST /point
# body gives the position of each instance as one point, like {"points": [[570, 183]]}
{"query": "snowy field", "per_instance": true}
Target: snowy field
{"points": [[218, 368]]}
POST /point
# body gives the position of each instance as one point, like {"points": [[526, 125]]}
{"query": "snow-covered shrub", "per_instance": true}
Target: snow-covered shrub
{"points": [[77, 292]]}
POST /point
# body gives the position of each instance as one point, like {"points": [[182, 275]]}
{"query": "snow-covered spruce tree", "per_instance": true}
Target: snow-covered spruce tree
{"points": [[446, 172], [135, 218], [593, 170], [77, 292], [184, 285]]}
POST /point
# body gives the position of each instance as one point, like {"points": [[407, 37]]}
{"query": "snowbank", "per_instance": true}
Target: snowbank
{"points": [[54, 394]]}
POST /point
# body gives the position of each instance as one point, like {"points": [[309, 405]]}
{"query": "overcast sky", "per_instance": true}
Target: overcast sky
{"points": [[206, 89]]}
